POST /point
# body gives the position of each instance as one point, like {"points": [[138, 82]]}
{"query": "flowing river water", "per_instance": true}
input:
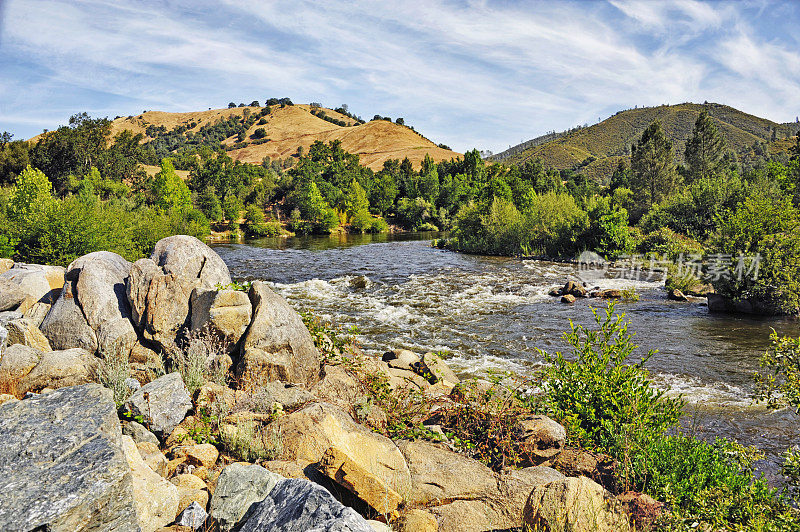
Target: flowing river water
{"points": [[492, 313]]}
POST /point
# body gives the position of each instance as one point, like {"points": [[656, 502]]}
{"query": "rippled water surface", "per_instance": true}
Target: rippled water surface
{"points": [[493, 313]]}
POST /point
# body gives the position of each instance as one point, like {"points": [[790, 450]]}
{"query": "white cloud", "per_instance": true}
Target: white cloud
{"points": [[469, 74]]}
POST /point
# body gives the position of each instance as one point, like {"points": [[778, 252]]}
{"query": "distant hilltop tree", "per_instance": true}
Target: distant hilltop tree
{"points": [[315, 105], [231, 105], [255, 103]]}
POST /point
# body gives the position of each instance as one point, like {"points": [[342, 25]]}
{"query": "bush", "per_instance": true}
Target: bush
{"points": [[667, 244], [364, 222], [605, 403]]}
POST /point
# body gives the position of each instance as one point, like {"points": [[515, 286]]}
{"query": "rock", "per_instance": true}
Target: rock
{"points": [[159, 289], [24, 285], [568, 298], [25, 332], [400, 378], [433, 368], [191, 488], [700, 290], [153, 457], [163, 403], [33, 370], [718, 303], [62, 466], [308, 433], [642, 509], [224, 313], [610, 293], [193, 516], [540, 439], [342, 389], [576, 504], [277, 345], [402, 359], [554, 292], [7, 398], [468, 516], [65, 326], [212, 393], [676, 295], [432, 477], [360, 282], [5, 265], [9, 315], [417, 521], [516, 486], [238, 488], [37, 313], [156, 499], [138, 432], [296, 505], [203, 454], [574, 289], [596, 466], [340, 468], [288, 395]]}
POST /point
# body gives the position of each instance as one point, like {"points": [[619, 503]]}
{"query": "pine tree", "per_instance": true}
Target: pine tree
{"points": [[653, 167], [705, 149]]}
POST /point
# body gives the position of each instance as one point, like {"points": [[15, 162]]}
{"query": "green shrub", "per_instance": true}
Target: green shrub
{"points": [[364, 222], [667, 244], [606, 403]]}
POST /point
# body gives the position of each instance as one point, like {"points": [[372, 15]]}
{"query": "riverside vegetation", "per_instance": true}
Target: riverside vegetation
{"points": [[203, 378]]}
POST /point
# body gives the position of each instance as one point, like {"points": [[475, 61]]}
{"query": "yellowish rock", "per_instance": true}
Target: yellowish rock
{"points": [[156, 499], [417, 521], [153, 457], [338, 466], [199, 455], [24, 331]]}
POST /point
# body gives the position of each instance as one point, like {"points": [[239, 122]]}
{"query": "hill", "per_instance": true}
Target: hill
{"points": [[596, 150], [285, 129]]}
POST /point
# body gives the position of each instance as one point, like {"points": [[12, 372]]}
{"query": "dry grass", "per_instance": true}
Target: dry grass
{"points": [[293, 126]]}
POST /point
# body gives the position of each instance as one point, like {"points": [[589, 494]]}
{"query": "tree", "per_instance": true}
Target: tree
{"points": [[231, 105], [208, 202], [653, 167], [705, 149], [169, 191], [31, 194], [355, 202], [254, 103], [14, 158], [795, 150], [399, 121], [231, 207]]}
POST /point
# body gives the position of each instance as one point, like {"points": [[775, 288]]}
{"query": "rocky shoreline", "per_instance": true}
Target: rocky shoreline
{"points": [[220, 409]]}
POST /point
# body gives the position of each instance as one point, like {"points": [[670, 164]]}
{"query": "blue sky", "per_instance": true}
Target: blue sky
{"points": [[470, 74]]}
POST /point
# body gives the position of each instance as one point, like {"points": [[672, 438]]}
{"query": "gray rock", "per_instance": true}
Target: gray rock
{"points": [[22, 286], [288, 395], [96, 285], [132, 384], [65, 326], [159, 288], [138, 432], [240, 486], [298, 505], [192, 516], [33, 370], [3, 339], [62, 467], [277, 345], [162, 403], [9, 315], [24, 331], [38, 312]]}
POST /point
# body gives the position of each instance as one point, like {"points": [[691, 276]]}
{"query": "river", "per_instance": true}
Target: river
{"points": [[492, 313]]}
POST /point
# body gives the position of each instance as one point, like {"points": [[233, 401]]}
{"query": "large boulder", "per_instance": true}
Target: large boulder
{"points": [[433, 480], [162, 403], [574, 503], [310, 432], [24, 331], [239, 486], [339, 467], [62, 467], [277, 346], [224, 313], [156, 499], [160, 288], [25, 284], [33, 370], [65, 326], [296, 505], [93, 309]]}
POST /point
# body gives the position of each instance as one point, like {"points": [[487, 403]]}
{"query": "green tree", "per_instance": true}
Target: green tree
{"points": [[13, 159], [30, 196], [231, 208], [653, 167], [705, 149], [168, 190], [208, 202], [355, 202]]}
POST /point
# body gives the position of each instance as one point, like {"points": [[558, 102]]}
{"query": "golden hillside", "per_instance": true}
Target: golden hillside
{"points": [[293, 126]]}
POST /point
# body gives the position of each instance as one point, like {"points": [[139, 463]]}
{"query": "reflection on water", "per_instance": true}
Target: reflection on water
{"points": [[493, 313]]}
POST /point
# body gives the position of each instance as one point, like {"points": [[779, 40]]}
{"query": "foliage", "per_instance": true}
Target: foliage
{"points": [[704, 149], [168, 190], [653, 173], [606, 403], [780, 385]]}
